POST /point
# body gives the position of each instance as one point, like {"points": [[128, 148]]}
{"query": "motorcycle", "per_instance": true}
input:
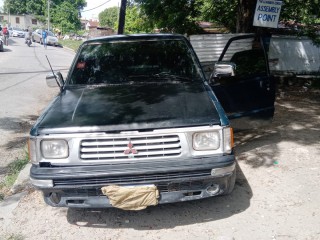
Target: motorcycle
{"points": [[28, 42]]}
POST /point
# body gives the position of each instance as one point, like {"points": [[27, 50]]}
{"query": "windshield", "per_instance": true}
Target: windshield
{"points": [[128, 62]]}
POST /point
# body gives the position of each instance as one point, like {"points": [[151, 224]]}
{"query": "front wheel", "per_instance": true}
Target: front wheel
{"points": [[41, 42]]}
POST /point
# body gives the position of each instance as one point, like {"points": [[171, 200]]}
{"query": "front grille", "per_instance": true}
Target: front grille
{"points": [[142, 148], [162, 187], [158, 179]]}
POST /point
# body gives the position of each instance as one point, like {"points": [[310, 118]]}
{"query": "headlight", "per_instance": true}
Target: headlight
{"points": [[227, 140], [54, 148], [206, 141]]}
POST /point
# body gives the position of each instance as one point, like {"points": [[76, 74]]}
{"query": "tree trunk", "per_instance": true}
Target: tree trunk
{"points": [[245, 15]]}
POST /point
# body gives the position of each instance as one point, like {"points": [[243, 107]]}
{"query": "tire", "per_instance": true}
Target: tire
{"points": [[1, 47], [41, 41]]}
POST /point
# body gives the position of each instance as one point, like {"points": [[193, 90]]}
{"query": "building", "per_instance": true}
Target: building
{"points": [[92, 24], [20, 21]]}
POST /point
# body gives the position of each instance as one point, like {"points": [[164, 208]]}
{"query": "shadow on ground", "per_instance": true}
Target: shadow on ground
{"points": [[296, 120]]}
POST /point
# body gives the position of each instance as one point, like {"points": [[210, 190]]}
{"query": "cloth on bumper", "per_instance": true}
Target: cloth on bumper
{"points": [[131, 198]]}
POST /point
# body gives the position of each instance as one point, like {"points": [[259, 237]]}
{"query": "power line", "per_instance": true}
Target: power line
{"points": [[96, 7]]}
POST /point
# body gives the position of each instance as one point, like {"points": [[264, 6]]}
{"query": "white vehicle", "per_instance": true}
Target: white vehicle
{"points": [[17, 32], [51, 38]]}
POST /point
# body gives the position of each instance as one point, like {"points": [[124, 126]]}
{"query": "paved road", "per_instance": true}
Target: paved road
{"points": [[24, 93]]}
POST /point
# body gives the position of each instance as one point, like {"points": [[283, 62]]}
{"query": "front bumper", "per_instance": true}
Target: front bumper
{"points": [[176, 181]]}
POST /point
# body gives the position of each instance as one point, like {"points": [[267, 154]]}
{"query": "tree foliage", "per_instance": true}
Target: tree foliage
{"points": [[109, 17], [172, 15], [63, 13], [65, 17], [303, 17], [137, 21], [220, 12], [15, 7], [236, 15]]}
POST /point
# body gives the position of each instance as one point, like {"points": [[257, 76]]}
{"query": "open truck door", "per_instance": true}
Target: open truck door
{"points": [[242, 82]]}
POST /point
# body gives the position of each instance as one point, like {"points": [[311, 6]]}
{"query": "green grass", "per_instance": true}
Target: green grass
{"points": [[15, 237], [13, 171], [74, 45]]}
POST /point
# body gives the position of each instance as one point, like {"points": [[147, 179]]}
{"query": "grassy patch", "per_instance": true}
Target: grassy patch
{"points": [[13, 171], [15, 237], [70, 44]]}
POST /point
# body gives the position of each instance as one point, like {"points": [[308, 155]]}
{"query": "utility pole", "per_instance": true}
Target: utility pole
{"points": [[122, 16], [9, 17], [48, 15]]}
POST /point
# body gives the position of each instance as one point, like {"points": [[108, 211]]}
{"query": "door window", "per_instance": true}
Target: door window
{"points": [[248, 56]]}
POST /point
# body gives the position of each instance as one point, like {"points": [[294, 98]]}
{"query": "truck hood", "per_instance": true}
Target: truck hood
{"points": [[117, 108]]}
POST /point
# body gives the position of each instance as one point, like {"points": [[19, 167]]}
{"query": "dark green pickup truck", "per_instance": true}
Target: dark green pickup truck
{"points": [[135, 119]]}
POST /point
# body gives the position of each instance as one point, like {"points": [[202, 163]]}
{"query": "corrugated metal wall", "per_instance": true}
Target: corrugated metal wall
{"points": [[287, 55], [209, 46]]}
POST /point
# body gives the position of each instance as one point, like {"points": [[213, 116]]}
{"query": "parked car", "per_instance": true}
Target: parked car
{"points": [[17, 32], [1, 43], [51, 38], [137, 124]]}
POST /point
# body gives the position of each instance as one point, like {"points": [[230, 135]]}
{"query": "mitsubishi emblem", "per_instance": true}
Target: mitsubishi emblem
{"points": [[130, 149]]}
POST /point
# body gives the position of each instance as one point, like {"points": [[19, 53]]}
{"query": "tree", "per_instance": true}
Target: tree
{"points": [[211, 11], [137, 21], [237, 15], [15, 7], [65, 17], [37, 7], [245, 13], [62, 12], [172, 15], [303, 17], [109, 17]]}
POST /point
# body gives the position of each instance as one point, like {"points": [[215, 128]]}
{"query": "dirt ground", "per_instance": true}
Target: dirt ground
{"points": [[276, 194]]}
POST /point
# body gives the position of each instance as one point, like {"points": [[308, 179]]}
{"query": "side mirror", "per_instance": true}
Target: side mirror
{"points": [[223, 69], [55, 80]]}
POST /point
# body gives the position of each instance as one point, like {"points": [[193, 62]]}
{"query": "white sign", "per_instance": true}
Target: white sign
{"points": [[267, 13]]}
